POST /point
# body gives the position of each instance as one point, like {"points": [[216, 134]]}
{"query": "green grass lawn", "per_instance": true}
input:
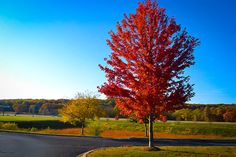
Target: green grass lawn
{"points": [[167, 151], [40, 122], [27, 118], [227, 130]]}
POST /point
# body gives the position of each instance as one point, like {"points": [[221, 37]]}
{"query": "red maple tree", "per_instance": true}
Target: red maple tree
{"points": [[145, 72]]}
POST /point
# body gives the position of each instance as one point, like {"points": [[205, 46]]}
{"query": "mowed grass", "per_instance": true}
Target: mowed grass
{"points": [[38, 122], [110, 127], [167, 151], [27, 118], [226, 130]]}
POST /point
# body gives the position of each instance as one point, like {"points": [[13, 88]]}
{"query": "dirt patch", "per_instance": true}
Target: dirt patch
{"points": [[139, 134], [69, 131], [73, 131], [130, 134]]}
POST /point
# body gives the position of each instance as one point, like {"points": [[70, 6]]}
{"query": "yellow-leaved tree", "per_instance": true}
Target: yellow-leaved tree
{"points": [[84, 106]]}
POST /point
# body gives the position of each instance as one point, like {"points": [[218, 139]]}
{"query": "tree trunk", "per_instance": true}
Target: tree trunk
{"points": [[82, 128], [146, 130], [150, 131]]}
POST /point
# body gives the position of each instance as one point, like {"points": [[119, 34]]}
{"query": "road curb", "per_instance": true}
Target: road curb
{"points": [[86, 153]]}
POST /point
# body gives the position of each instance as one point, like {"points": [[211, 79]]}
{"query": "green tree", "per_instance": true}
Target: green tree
{"points": [[206, 113], [183, 114], [17, 108], [2, 109], [197, 115], [77, 111], [32, 109], [219, 111]]}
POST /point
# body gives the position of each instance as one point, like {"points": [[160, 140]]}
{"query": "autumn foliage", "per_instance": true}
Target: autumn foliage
{"points": [[230, 116], [78, 110], [145, 72]]}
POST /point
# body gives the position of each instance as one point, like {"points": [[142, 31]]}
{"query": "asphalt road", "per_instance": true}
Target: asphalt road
{"points": [[30, 145]]}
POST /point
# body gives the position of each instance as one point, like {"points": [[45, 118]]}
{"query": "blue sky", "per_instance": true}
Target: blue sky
{"points": [[50, 49]]}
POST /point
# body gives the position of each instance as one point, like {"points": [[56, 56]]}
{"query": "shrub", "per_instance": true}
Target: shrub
{"points": [[33, 129], [9, 126], [95, 129], [1, 123]]}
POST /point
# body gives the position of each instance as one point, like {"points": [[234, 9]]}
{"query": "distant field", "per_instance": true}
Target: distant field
{"points": [[115, 128], [38, 122], [167, 151], [27, 118]]}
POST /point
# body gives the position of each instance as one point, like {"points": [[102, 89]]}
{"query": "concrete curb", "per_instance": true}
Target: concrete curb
{"points": [[86, 153]]}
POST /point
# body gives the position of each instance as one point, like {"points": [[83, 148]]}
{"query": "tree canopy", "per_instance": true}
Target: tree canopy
{"points": [[145, 72], [83, 107]]}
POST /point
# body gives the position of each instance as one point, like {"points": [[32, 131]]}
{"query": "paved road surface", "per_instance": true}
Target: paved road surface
{"points": [[29, 145]]}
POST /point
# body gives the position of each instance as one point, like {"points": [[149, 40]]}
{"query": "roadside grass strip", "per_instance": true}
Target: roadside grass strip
{"points": [[166, 151]]}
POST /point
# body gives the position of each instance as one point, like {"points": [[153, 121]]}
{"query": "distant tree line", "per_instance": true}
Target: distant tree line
{"points": [[205, 112], [47, 107], [32, 106], [197, 112]]}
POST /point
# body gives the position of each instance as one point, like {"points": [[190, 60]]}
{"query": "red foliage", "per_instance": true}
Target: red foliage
{"points": [[164, 118], [146, 67], [230, 116]]}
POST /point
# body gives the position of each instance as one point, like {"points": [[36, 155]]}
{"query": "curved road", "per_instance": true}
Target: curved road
{"points": [[31, 145]]}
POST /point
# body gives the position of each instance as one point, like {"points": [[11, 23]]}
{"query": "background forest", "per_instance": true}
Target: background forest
{"points": [[191, 112]]}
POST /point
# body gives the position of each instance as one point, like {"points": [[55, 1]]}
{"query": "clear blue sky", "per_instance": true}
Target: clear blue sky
{"points": [[51, 48]]}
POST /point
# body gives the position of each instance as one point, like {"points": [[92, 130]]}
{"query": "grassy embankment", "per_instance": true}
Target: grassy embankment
{"points": [[121, 129], [37, 122], [167, 151]]}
